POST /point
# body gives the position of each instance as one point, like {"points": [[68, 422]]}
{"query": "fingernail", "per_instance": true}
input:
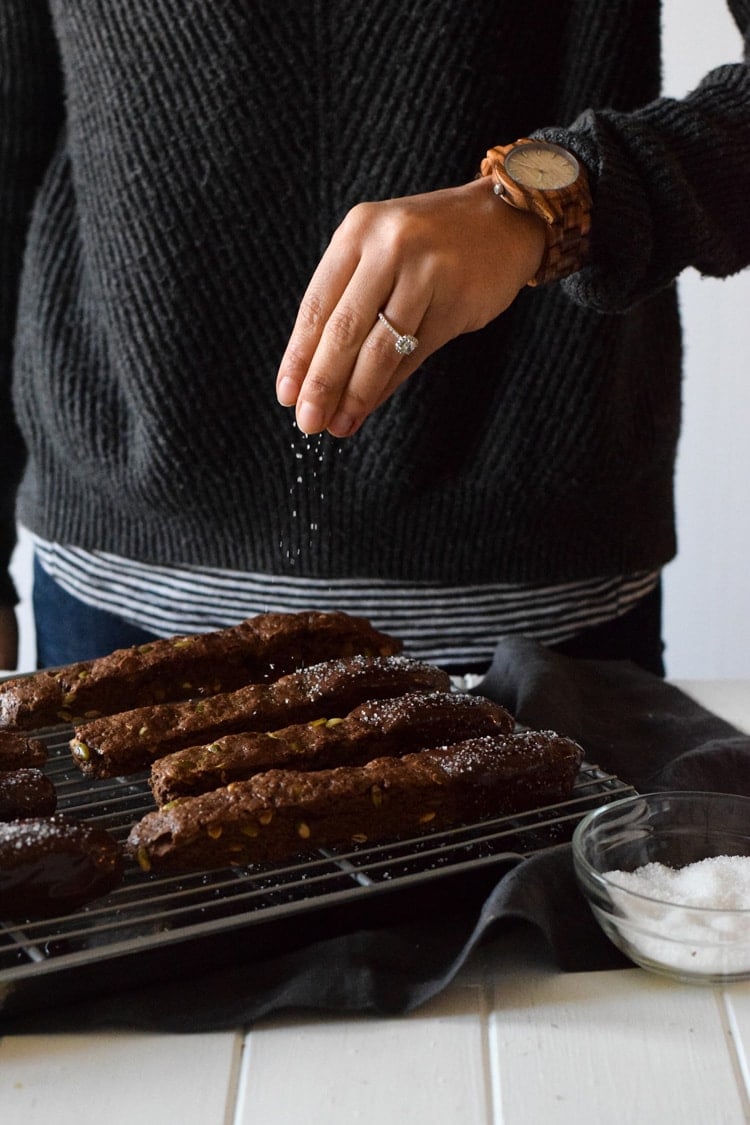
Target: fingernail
{"points": [[310, 418], [286, 391]]}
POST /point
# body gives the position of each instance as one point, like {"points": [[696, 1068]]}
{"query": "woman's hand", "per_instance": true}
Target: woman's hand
{"points": [[436, 265], [8, 638]]}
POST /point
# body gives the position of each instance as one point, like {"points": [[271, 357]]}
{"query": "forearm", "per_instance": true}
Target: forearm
{"points": [[670, 183]]}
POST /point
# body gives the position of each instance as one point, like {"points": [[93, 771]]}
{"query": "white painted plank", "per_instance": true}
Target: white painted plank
{"points": [[728, 698], [118, 1079], [428, 1067], [620, 1047], [736, 1001]]}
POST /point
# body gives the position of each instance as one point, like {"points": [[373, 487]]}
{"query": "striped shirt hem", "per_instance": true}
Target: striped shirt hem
{"points": [[451, 625]]}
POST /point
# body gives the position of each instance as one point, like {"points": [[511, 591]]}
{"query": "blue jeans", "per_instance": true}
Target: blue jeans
{"points": [[67, 630]]}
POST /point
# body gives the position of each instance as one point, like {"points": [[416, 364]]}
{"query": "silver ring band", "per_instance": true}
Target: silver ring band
{"points": [[404, 345]]}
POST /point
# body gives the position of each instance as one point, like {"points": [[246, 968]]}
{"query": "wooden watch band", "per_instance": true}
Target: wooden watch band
{"points": [[566, 213]]}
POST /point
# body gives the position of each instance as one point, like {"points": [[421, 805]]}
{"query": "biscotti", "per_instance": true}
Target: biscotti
{"points": [[278, 814], [125, 743], [52, 865], [26, 793], [381, 726], [258, 649], [18, 752]]}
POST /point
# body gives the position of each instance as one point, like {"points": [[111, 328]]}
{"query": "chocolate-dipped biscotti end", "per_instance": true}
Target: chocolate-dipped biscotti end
{"points": [[397, 725], [26, 793], [281, 813], [53, 865], [260, 649], [19, 752], [122, 744], [32, 702]]}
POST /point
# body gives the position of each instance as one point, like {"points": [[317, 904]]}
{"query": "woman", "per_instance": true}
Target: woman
{"points": [[507, 468]]}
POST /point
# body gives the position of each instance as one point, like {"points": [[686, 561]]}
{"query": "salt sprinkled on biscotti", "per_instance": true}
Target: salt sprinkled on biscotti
{"points": [[477, 754], [317, 676], [29, 834], [380, 712]]}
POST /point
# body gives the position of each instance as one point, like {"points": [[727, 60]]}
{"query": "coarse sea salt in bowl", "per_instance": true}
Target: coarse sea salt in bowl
{"points": [[667, 876]]}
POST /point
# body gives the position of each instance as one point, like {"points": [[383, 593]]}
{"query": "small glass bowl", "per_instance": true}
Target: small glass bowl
{"points": [[679, 939]]}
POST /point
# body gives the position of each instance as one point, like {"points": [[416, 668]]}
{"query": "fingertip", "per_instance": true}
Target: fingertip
{"points": [[286, 391], [343, 425], [310, 418]]}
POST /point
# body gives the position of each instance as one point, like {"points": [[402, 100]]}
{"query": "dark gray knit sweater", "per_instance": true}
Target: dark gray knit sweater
{"points": [[176, 167]]}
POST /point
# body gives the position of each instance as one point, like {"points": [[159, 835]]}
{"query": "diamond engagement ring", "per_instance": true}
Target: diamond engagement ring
{"points": [[404, 345]]}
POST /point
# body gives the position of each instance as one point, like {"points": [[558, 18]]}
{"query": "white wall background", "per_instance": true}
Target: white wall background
{"points": [[707, 589], [21, 570]]}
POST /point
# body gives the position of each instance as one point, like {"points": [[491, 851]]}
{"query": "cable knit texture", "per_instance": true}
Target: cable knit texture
{"points": [[187, 161]]}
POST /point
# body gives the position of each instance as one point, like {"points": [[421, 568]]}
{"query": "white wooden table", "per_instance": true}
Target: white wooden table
{"points": [[526, 1045]]}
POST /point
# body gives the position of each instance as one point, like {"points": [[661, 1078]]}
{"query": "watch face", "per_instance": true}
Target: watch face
{"points": [[540, 165]]}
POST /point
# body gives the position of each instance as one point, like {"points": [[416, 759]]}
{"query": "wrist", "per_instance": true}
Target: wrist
{"points": [[548, 182], [519, 235], [532, 244]]}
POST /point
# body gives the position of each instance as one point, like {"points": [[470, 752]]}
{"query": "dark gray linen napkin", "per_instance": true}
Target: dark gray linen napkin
{"points": [[644, 730]]}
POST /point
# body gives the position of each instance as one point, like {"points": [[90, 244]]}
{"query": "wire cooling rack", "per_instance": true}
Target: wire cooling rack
{"points": [[156, 926]]}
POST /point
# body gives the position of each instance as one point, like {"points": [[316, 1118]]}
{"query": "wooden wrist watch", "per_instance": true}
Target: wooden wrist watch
{"points": [[547, 180]]}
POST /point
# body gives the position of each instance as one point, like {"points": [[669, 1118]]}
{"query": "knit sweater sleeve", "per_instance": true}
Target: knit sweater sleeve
{"points": [[671, 184], [30, 116]]}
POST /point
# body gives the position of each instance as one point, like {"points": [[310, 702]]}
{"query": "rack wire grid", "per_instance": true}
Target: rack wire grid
{"points": [[151, 923]]}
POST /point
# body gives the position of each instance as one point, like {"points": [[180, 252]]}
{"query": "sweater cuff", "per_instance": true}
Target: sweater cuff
{"points": [[616, 275]]}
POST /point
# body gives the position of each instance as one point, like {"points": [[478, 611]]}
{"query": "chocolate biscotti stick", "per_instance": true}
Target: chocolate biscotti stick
{"points": [[281, 813], [18, 752], [26, 793], [52, 865], [372, 730], [130, 741], [262, 648]]}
